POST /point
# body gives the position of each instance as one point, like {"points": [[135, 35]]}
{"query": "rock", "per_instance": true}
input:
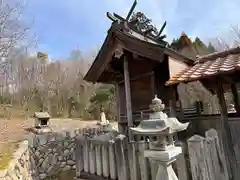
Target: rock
{"points": [[41, 170], [12, 175], [43, 176], [3, 173], [54, 160], [67, 167], [72, 150], [7, 178], [41, 161], [60, 158], [66, 152], [46, 161], [74, 167], [42, 139], [74, 156], [50, 150], [70, 162], [33, 172], [65, 143], [63, 164], [37, 153], [49, 169]]}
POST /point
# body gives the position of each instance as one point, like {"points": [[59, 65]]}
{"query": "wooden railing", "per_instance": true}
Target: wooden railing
{"points": [[139, 115]]}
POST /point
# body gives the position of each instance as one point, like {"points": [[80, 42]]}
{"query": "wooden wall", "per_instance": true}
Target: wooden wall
{"points": [[147, 78], [141, 94]]}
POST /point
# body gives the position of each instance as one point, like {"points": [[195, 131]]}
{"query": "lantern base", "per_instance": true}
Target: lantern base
{"points": [[164, 160], [166, 173]]}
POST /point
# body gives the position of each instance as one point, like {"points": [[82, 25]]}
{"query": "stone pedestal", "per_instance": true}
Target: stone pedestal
{"points": [[164, 160], [41, 130]]}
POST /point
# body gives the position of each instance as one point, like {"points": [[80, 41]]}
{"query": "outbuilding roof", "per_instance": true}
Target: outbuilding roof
{"points": [[209, 65]]}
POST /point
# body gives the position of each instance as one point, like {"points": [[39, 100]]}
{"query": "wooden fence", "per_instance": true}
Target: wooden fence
{"points": [[111, 156], [206, 156], [193, 111]]}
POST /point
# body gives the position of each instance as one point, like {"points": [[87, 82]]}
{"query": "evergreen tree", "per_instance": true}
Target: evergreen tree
{"points": [[211, 48], [104, 97], [199, 43], [181, 42]]}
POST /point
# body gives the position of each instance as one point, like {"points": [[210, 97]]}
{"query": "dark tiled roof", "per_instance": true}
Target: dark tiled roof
{"points": [[209, 65]]}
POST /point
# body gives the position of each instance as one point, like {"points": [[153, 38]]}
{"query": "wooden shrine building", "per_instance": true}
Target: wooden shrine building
{"points": [[135, 57]]}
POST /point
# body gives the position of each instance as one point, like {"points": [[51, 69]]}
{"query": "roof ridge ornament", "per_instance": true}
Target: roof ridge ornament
{"points": [[140, 23]]}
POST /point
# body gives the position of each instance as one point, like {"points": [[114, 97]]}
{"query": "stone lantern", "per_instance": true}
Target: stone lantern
{"points": [[160, 129], [41, 122]]}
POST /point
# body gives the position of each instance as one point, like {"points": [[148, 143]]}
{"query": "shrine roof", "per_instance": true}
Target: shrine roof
{"points": [[134, 34], [131, 41]]}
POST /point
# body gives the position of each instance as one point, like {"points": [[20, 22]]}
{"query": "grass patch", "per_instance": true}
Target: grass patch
{"points": [[63, 175], [6, 153]]}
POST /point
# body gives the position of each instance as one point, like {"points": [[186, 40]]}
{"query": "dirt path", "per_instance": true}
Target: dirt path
{"points": [[15, 130]]}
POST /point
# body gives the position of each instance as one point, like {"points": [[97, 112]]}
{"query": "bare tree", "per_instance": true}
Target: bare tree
{"points": [[13, 29], [236, 31]]}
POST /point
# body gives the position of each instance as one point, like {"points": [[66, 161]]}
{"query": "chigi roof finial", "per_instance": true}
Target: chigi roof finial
{"points": [[140, 23]]}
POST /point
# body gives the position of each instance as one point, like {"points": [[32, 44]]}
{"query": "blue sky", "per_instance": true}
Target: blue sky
{"points": [[64, 25]]}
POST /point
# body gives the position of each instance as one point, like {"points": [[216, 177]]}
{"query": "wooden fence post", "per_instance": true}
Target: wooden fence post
{"points": [[143, 161], [216, 152], [98, 156], [181, 162], [92, 158], [112, 160], [79, 155], [105, 160], [86, 155], [133, 160], [122, 166], [206, 157], [198, 158]]}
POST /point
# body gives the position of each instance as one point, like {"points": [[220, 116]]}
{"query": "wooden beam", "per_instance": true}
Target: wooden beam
{"points": [[235, 97], [140, 47], [126, 57], [138, 76], [226, 132]]}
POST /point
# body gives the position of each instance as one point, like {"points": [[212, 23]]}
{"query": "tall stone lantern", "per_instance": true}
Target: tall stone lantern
{"points": [[160, 129]]}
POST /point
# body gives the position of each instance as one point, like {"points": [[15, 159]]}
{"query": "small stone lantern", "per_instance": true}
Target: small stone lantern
{"points": [[41, 122], [160, 129]]}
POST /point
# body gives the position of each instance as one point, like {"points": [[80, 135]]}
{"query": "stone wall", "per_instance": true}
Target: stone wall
{"points": [[51, 154], [46, 156], [19, 166]]}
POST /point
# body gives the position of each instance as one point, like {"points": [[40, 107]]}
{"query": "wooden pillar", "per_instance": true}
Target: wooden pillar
{"points": [[179, 112], [153, 84], [172, 101], [226, 132], [120, 125], [128, 94], [235, 98]]}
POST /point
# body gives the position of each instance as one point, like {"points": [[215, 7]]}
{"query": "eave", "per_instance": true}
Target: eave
{"points": [[132, 42]]}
